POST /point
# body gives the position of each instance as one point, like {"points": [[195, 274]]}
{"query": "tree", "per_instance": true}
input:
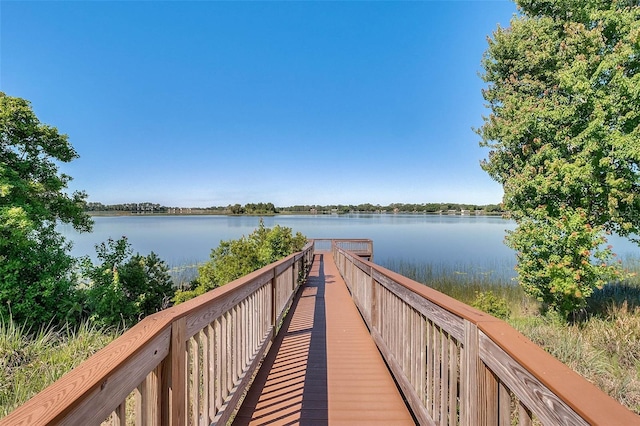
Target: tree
{"points": [[123, 288], [564, 138], [236, 209], [36, 285]]}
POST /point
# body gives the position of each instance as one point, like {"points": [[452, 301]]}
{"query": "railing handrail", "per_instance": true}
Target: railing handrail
{"points": [[362, 246], [99, 385], [520, 358]]}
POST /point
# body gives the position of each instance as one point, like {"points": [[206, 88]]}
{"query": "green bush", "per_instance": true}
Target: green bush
{"points": [[233, 259], [493, 305], [124, 288]]}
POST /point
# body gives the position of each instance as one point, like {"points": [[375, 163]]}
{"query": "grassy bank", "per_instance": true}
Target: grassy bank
{"points": [[29, 362], [602, 345]]}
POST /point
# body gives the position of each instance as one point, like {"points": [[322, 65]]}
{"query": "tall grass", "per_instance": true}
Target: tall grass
{"points": [[30, 361], [466, 282], [184, 273], [603, 349]]}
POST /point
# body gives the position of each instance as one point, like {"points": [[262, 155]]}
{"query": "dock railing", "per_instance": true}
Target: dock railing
{"points": [[187, 365], [459, 366], [362, 247]]}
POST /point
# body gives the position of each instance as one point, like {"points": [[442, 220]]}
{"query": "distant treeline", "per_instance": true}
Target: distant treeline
{"points": [[396, 208], [270, 209]]}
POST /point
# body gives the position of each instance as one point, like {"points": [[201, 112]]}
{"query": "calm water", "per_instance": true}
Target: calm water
{"points": [[451, 242]]}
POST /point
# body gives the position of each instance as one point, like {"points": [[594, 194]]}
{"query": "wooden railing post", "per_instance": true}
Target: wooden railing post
{"points": [[274, 304], [489, 394], [294, 279], [480, 392], [164, 397], [471, 409], [148, 399], [178, 357], [375, 315]]}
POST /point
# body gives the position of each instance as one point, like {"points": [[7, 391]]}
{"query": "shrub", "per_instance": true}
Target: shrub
{"points": [[493, 305], [125, 288], [233, 259]]}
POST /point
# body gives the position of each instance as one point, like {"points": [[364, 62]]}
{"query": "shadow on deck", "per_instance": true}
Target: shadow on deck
{"points": [[324, 367]]}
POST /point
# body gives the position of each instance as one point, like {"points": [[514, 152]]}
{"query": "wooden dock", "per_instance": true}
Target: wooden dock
{"points": [[328, 337], [326, 369]]}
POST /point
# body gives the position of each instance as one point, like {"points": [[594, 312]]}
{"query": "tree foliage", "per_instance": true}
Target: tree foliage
{"points": [[122, 289], [564, 138], [233, 259], [36, 285]]}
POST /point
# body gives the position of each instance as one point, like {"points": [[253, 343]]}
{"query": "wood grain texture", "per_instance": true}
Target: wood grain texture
{"points": [[524, 415], [470, 404], [580, 396], [178, 357], [218, 364], [530, 391], [198, 318], [119, 416], [97, 405], [451, 323], [454, 389], [504, 402]]}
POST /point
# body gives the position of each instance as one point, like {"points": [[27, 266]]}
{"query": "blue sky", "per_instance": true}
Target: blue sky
{"points": [[209, 103]]}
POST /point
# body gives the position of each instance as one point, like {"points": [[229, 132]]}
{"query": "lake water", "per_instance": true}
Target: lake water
{"points": [[450, 242]]}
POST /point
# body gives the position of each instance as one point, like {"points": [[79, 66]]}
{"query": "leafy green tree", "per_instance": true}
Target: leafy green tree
{"points": [[564, 138], [259, 208], [277, 243], [123, 289], [236, 209], [233, 259], [36, 283]]}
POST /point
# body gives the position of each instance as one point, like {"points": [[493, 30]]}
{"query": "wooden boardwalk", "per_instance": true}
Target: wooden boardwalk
{"points": [[324, 367], [191, 364]]}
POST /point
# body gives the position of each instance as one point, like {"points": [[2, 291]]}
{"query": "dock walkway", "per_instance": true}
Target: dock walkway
{"points": [[324, 368]]}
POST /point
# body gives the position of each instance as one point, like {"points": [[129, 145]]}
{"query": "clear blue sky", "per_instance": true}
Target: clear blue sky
{"points": [[209, 103]]}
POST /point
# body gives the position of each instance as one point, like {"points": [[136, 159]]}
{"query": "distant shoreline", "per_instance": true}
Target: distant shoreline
{"points": [[196, 212]]}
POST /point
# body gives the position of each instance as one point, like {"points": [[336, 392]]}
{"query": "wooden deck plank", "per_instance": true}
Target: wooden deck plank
{"points": [[324, 368]]}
